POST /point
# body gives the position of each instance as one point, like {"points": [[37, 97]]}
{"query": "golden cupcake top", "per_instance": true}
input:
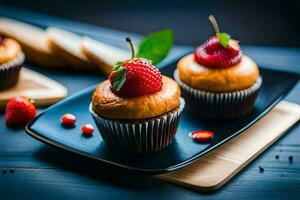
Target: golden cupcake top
{"points": [[237, 77], [218, 65], [112, 106], [9, 50], [135, 90]]}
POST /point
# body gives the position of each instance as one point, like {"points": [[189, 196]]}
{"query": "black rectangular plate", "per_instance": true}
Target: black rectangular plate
{"points": [[47, 128]]}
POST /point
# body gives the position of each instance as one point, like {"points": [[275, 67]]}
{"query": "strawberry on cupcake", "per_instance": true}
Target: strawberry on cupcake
{"points": [[217, 80], [137, 110]]}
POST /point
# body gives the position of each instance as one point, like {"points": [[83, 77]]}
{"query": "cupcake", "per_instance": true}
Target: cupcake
{"points": [[11, 61], [137, 110], [217, 80]]}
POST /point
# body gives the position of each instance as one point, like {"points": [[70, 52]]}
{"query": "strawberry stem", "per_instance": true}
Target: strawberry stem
{"points": [[213, 21], [131, 47]]}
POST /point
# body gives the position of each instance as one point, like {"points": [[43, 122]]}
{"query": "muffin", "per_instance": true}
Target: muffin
{"points": [[11, 61], [217, 80], [137, 110]]}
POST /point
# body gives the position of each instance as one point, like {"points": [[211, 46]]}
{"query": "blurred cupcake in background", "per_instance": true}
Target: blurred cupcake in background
{"points": [[11, 61], [217, 80]]}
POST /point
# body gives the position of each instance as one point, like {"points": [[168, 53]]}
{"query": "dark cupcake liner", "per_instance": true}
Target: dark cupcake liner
{"points": [[9, 72], [224, 105], [139, 136]]}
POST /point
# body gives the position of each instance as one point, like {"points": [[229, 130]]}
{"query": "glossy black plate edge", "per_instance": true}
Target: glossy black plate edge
{"points": [[164, 170], [52, 143], [56, 144]]}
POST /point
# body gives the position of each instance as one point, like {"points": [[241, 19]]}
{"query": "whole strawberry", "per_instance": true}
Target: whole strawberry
{"points": [[135, 77], [219, 51], [19, 111]]}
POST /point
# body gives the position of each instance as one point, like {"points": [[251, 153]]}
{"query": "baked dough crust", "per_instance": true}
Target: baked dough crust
{"points": [[238, 77], [108, 105]]}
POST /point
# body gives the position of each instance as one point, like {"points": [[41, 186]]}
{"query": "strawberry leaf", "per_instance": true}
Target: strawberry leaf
{"points": [[224, 39], [156, 46], [117, 67], [120, 76], [119, 79]]}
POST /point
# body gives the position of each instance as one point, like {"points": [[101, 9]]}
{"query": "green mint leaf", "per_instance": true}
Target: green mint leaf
{"points": [[156, 46], [224, 39]]}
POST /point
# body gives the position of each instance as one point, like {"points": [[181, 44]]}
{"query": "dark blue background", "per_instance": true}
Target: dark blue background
{"points": [[251, 22]]}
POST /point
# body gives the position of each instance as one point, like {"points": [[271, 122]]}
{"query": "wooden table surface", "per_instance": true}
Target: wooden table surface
{"points": [[30, 169]]}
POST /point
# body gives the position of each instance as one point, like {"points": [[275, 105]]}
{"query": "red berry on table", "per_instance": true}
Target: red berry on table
{"points": [[19, 111], [135, 77], [202, 136], [219, 51], [87, 129], [68, 120]]}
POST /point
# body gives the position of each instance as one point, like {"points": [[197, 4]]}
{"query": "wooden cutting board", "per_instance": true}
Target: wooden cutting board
{"points": [[217, 167], [42, 89]]}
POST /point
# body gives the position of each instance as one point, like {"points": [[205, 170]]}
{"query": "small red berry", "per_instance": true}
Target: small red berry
{"points": [[19, 111], [68, 120], [87, 129], [202, 136]]}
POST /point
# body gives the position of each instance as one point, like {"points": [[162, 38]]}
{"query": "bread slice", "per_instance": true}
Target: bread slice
{"points": [[103, 55], [33, 40], [68, 45]]}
